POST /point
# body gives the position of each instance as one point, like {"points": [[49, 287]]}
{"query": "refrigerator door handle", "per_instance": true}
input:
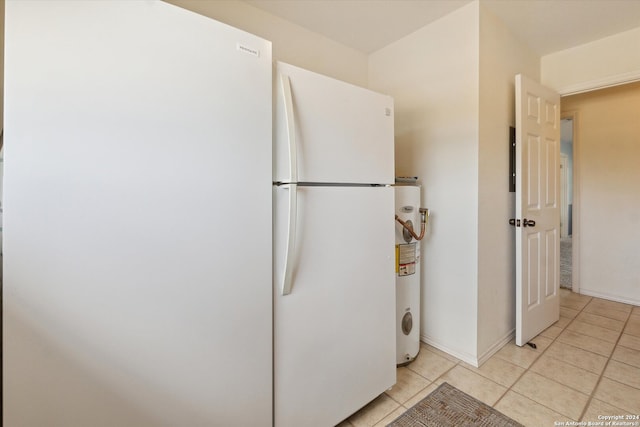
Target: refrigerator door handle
{"points": [[287, 281], [291, 127]]}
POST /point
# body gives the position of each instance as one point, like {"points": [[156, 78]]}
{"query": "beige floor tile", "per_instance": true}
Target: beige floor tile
{"points": [[542, 343], [607, 312], [528, 412], [594, 331], [551, 332], [572, 303], [551, 394], [474, 385], [521, 356], [563, 322], [562, 371], [620, 395], [565, 292], [575, 356], [604, 322], [391, 417], [430, 365], [421, 395], [623, 373], [439, 381], [374, 412], [498, 370], [568, 293], [597, 409], [577, 378], [611, 305], [579, 295], [568, 312], [439, 352], [627, 355], [408, 383], [586, 342], [629, 341], [633, 326]]}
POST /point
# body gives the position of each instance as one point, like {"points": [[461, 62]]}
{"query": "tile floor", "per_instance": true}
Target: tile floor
{"points": [[587, 364]]}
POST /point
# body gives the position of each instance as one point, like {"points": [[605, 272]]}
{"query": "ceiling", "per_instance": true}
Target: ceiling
{"points": [[545, 25]]}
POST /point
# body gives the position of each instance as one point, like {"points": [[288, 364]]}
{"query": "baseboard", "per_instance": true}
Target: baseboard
{"points": [[468, 358], [465, 357], [497, 346], [610, 297]]}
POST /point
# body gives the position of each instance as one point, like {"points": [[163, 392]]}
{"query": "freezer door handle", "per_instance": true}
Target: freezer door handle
{"points": [[289, 258], [291, 127]]}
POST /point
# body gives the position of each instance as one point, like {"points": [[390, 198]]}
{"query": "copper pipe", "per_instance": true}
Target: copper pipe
{"points": [[424, 214]]}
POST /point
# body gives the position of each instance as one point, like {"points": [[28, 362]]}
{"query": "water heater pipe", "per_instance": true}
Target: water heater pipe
{"points": [[424, 215]]}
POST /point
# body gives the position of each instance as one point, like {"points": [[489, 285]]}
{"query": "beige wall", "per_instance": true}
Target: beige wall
{"points": [[607, 134], [605, 62], [433, 76], [502, 56], [291, 43], [453, 85]]}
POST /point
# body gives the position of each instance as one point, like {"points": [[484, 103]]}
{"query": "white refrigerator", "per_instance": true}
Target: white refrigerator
{"points": [[138, 218], [334, 280]]}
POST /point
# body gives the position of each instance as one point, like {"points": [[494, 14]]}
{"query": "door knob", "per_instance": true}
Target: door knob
{"points": [[528, 223]]}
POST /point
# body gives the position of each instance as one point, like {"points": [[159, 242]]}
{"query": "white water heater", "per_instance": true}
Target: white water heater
{"points": [[407, 198]]}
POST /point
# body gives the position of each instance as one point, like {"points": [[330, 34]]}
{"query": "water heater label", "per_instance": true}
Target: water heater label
{"points": [[406, 259]]}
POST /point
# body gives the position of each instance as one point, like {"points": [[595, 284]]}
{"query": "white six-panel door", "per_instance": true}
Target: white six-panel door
{"points": [[537, 208]]}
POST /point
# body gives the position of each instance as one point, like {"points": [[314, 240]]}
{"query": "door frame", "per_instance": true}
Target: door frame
{"points": [[575, 209], [564, 196]]}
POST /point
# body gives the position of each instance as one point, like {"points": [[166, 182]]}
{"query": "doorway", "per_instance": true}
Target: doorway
{"points": [[566, 202]]}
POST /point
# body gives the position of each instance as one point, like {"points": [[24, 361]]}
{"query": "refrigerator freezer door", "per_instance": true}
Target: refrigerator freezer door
{"points": [[138, 218], [334, 334], [343, 133]]}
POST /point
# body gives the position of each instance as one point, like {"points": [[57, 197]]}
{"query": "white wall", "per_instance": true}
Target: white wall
{"points": [[453, 83], [433, 76], [502, 56], [607, 141], [291, 43], [605, 62]]}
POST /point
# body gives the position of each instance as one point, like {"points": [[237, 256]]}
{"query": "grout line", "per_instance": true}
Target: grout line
{"points": [[593, 392], [538, 358], [574, 319], [517, 379], [529, 368], [422, 376], [459, 362]]}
